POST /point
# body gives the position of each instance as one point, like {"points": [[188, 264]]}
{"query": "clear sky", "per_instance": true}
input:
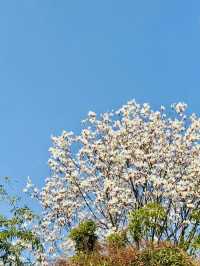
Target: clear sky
{"points": [[59, 59]]}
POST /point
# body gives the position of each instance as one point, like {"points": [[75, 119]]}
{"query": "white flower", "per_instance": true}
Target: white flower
{"points": [[180, 107], [90, 113]]}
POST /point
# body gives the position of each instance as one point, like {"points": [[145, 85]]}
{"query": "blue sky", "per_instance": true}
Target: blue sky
{"points": [[60, 59]]}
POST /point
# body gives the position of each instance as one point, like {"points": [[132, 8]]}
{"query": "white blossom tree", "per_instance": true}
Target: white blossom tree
{"points": [[120, 162]]}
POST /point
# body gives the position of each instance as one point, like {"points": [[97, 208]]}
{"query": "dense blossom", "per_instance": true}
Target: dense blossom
{"points": [[121, 161]]}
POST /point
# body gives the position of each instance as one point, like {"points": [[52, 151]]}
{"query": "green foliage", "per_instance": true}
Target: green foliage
{"points": [[165, 256], [92, 259], [4, 195], [146, 225], [195, 216], [15, 236], [147, 222], [118, 239], [84, 236]]}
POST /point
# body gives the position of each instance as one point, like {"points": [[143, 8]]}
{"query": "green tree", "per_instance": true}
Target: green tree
{"points": [[147, 223], [16, 236], [84, 236]]}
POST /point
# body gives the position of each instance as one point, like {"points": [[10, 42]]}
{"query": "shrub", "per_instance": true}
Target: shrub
{"points": [[162, 255], [118, 257], [117, 239], [165, 256], [92, 259], [84, 236]]}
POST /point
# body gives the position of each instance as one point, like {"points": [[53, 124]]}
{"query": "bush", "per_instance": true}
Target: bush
{"points": [[92, 259], [117, 257], [84, 236], [165, 256], [117, 240], [162, 255]]}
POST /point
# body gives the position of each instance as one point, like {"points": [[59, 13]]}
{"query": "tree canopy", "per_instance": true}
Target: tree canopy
{"points": [[120, 162]]}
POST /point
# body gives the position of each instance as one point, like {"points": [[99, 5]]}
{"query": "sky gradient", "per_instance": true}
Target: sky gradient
{"points": [[60, 59]]}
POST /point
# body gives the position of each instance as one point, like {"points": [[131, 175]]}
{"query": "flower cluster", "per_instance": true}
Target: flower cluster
{"points": [[120, 162]]}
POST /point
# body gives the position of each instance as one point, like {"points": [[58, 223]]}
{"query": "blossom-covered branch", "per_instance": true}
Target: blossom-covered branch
{"points": [[120, 162]]}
